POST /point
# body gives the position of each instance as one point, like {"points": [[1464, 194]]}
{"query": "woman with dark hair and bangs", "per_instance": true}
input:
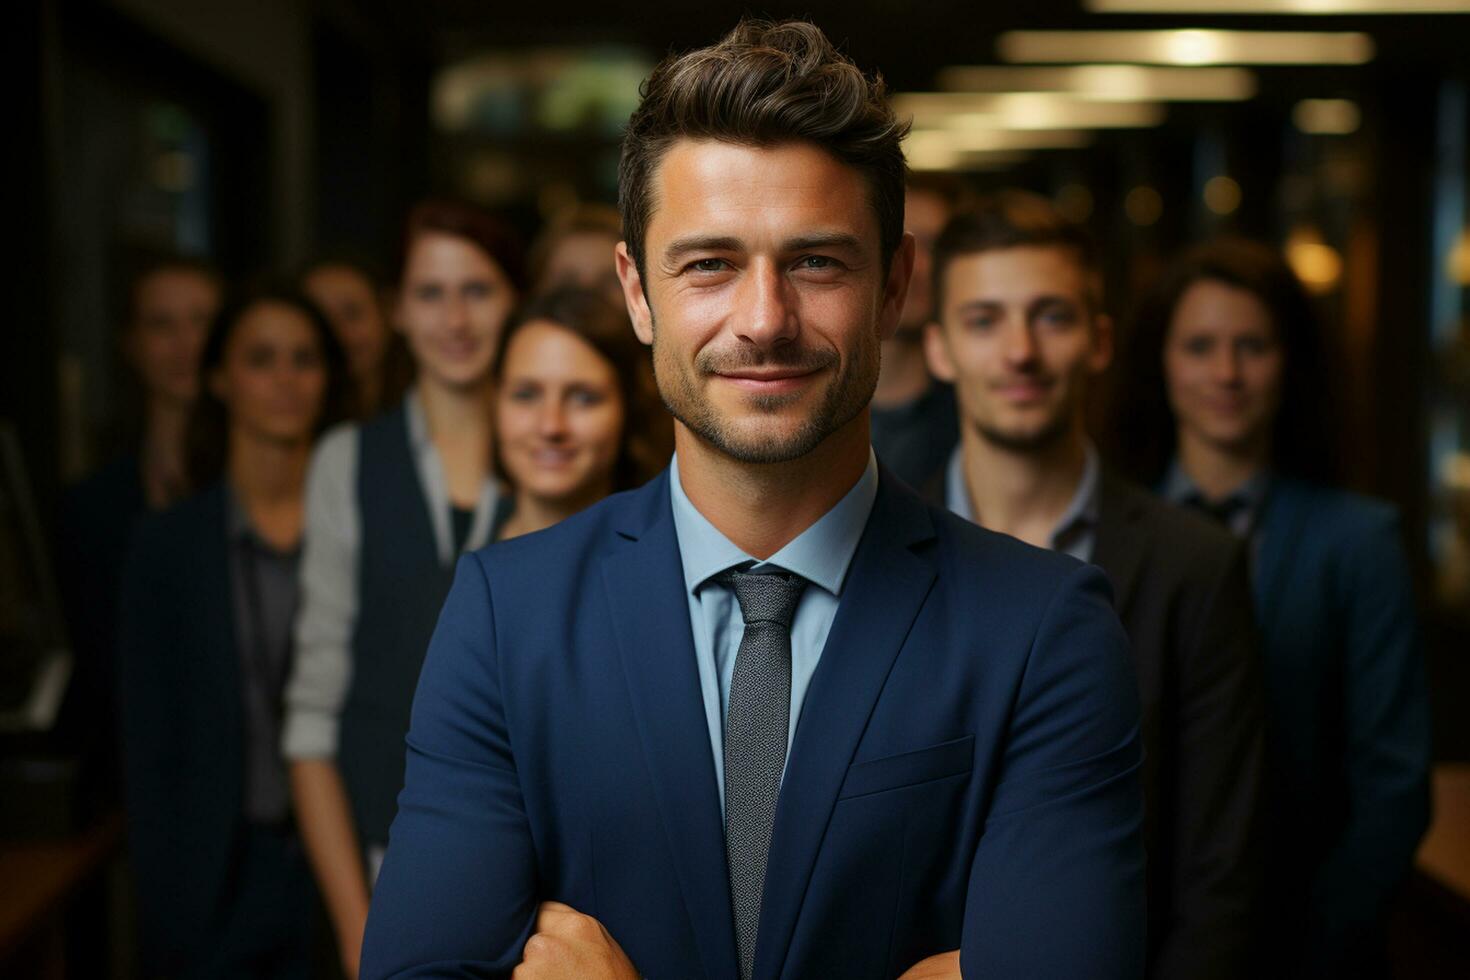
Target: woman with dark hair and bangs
{"points": [[1224, 403], [577, 414], [391, 504], [205, 645]]}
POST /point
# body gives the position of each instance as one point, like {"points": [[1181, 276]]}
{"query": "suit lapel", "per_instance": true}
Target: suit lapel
{"points": [[216, 624], [650, 614], [1281, 525], [885, 588], [1123, 539]]}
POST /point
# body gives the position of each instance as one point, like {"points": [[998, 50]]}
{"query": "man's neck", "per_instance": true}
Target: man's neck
{"points": [[903, 376], [1216, 470], [161, 451], [762, 507], [1023, 493]]}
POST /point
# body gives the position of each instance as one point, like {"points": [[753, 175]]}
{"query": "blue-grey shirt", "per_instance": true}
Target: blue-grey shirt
{"points": [[1239, 510], [821, 554], [1075, 534]]}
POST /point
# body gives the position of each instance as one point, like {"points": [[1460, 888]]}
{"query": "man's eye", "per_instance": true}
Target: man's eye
{"points": [[708, 265], [817, 262]]}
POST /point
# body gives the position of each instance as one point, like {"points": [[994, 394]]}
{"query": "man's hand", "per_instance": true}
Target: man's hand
{"points": [[568, 945], [944, 966]]}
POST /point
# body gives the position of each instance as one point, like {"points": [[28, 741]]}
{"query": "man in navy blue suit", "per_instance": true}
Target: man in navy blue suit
{"points": [[770, 715]]}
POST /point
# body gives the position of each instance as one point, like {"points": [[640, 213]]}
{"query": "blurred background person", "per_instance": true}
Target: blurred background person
{"points": [[577, 415], [170, 305], [576, 249], [1225, 404], [914, 425], [210, 594], [351, 296], [391, 503], [1022, 333]]}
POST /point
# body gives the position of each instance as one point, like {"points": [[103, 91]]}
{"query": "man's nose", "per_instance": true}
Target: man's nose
{"points": [[770, 314], [1227, 365], [1020, 342]]}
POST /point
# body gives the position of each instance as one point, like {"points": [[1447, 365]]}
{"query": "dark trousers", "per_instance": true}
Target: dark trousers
{"points": [[267, 924]]}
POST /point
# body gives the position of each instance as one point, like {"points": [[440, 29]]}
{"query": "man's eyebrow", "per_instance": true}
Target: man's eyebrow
{"points": [[835, 239], [701, 243]]}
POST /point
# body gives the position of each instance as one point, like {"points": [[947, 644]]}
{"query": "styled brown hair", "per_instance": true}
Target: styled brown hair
{"points": [[764, 84], [1145, 432], [647, 440], [1015, 219]]}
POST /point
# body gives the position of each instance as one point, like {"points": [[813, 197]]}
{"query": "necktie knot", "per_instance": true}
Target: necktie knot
{"points": [[765, 597]]}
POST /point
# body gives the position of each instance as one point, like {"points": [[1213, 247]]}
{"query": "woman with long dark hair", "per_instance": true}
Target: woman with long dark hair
{"points": [[577, 413], [209, 597], [391, 504], [1225, 405]]}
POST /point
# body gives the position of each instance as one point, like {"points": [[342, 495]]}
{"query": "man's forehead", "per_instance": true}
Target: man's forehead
{"points": [[1018, 273], [739, 191]]}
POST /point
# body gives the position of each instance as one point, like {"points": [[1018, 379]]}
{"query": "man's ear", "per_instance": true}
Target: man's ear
{"points": [[638, 309], [1103, 344], [896, 289], [936, 352]]}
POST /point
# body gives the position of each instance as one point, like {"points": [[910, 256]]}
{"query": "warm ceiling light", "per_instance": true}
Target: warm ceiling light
{"points": [[1326, 117], [1317, 264], [1022, 110], [1107, 83], [1279, 6], [995, 140], [1457, 263], [1222, 195], [1188, 47]]}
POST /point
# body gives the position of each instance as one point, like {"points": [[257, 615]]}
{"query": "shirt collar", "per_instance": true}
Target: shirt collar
{"points": [[1178, 488], [1081, 512], [821, 554], [417, 422]]}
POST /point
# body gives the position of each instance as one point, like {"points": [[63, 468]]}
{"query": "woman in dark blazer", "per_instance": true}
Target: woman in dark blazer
{"points": [[1225, 407], [209, 593]]}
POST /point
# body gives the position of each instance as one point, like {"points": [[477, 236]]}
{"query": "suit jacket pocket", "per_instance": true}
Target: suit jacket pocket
{"points": [[952, 758]]}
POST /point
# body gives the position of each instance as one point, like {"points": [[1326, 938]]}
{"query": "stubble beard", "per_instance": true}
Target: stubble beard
{"points": [[846, 395]]}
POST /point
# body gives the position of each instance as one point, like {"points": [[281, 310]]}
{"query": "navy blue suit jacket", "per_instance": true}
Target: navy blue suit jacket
{"points": [[964, 773], [1348, 712], [182, 727]]}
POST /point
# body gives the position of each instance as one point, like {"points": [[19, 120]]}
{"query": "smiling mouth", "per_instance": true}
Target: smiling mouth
{"points": [[768, 382]]}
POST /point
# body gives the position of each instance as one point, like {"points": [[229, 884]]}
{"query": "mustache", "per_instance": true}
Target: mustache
{"points": [[803, 359]]}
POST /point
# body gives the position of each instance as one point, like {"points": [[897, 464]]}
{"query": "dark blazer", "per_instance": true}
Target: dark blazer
{"points": [[183, 745], [1182, 589], [964, 773], [1349, 730]]}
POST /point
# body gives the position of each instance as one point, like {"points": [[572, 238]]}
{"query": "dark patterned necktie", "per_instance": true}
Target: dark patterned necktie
{"points": [[756, 727]]}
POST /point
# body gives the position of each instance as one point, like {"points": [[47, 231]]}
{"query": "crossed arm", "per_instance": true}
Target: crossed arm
{"points": [[1055, 886]]}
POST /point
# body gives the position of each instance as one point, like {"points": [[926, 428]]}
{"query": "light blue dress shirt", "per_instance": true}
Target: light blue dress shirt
{"points": [[821, 554], [1076, 532]]}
